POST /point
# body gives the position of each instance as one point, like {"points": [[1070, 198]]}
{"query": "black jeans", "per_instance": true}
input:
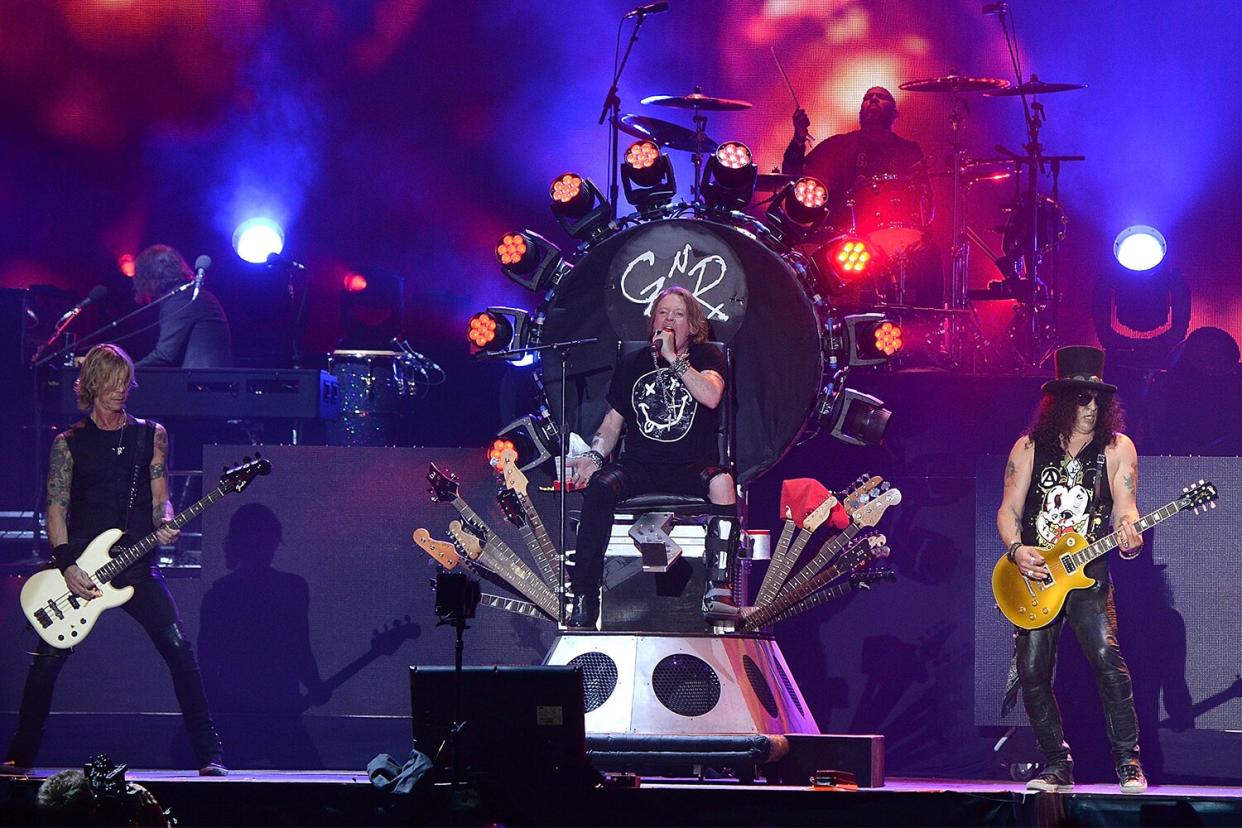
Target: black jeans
{"points": [[1093, 619], [614, 483], [151, 606]]}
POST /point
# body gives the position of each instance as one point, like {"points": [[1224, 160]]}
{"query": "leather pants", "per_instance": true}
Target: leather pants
{"points": [[152, 606], [1091, 616]]}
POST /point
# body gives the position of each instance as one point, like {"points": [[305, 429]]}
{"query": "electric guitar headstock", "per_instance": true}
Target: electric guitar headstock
{"points": [[1198, 497], [242, 475], [817, 517], [864, 486], [465, 540], [387, 641], [869, 514], [444, 488], [514, 478], [864, 578], [863, 551], [508, 500], [443, 552]]}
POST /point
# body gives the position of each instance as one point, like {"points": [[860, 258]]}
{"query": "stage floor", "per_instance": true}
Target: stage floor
{"points": [[345, 797]]}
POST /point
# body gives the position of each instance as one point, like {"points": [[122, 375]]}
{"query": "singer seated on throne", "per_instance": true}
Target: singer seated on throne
{"points": [[668, 402], [193, 328]]}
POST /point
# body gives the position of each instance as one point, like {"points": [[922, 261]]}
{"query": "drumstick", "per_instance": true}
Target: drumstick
{"points": [[788, 85]]}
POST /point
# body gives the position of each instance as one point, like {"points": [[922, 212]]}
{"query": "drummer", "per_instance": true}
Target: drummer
{"points": [[841, 160]]}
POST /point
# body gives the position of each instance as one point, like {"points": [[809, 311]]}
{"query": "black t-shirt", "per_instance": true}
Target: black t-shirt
{"points": [[841, 161], [663, 422], [1068, 494]]}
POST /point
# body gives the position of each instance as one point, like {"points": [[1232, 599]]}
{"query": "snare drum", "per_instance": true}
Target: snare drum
{"points": [[890, 213], [377, 388]]}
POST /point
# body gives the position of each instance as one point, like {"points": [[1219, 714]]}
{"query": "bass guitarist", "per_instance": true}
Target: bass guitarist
{"points": [[1073, 471], [108, 471]]}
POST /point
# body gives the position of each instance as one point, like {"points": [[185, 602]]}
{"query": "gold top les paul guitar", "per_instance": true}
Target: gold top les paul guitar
{"points": [[1033, 604]]}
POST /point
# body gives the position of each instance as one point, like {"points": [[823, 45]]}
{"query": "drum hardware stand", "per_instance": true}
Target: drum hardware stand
{"points": [[696, 158], [562, 350], [612, 113], [959, 244]]}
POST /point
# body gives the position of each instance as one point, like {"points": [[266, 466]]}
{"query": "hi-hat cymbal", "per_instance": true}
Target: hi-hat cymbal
{"points": [[1035, 87], [673, 136], [954, 83], [697, 100]]}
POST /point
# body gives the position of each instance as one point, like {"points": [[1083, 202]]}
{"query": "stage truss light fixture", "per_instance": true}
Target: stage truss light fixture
{"points": [[858, 419], [257, 238], [647, 176], [354, 282], [494, 331], [799, 208], [533, 437], [578, 206], [530, 260], [862, 339], [729, 177], [842, 261], [1140, 247]]}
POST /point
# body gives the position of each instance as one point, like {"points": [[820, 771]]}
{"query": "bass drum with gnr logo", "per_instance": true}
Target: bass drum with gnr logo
{"points": [[750, 294]]}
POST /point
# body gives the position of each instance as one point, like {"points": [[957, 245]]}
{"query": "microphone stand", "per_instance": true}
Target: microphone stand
{"points": [[612, 111], [562, 350]]}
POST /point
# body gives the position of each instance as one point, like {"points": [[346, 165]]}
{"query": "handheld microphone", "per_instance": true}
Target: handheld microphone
{"points": [[643, 11], [275, 260], [655, 343], [200, 269], [97, 292]]}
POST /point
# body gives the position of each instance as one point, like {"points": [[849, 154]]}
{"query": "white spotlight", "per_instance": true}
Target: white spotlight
{"points": [[1139, 247]]}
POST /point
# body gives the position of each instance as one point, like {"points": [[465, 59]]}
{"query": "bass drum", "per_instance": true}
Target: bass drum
{"points": [[750, 295]]}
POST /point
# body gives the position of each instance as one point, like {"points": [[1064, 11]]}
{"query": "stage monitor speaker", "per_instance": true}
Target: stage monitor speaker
{"points": [[523, 723]]}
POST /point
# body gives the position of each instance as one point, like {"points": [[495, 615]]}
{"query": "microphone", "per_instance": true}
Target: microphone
{"points": [[275, 260], [655, 343], [200, 269], [996, 8], [643, 11], [97, 292]]}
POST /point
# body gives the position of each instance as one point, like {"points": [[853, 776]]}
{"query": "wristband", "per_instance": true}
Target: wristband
{"points": [[60, 556], [595, 457], [680, 366], [1013, 548]]}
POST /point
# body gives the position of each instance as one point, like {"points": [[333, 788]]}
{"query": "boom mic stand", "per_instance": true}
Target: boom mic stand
{"points": [[562, 350], [612, 112]]}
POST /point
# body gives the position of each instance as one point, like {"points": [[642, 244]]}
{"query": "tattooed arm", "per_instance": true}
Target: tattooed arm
{"points": [[1009, 517], [59, 485], [161, 502], [1123, 479], [605, 440]]}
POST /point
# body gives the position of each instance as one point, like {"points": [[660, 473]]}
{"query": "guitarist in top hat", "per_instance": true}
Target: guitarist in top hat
{"points": [[108, 471], [1074, 471]]}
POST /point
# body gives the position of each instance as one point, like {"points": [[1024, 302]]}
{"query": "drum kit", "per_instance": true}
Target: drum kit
{"points": [[892, 213]]}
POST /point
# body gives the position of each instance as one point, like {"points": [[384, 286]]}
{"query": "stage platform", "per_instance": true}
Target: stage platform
{"points": [[348, 798]]}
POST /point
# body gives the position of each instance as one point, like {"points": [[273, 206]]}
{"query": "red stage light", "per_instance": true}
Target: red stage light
{"points": [[733, 154], [125, 263], [511, 249], [354, 282], [566, 188], [642, 154], [482, 329], [499, 447], [888, 339]]}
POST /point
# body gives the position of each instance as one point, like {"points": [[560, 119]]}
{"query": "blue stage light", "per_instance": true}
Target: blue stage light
{"points": [[257, 238], [1139, 247]]}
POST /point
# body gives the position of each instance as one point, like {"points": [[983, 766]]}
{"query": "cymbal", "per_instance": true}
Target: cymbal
{"points": [[673, 136], [697, 100], [954, 83], [1035, 87], [771, 182]]}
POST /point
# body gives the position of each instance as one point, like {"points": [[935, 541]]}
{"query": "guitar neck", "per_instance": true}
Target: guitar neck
{"points": [[778, 568], [544, 551], [826, 552], [804, 583], [511, 605], [502, 560], [817, 599], [133, 553], [1109, 542]]}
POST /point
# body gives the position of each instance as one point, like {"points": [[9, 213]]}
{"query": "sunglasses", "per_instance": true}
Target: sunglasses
{"points": [[1087, 397]]}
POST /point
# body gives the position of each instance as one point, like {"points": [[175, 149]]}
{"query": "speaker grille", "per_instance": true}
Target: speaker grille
{"points": [[760, 685], [791, 692], [599, 678], [686, 684]]}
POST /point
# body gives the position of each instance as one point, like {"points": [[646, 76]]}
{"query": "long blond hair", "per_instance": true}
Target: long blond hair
{"points": [[700, 328], [105, 366]]}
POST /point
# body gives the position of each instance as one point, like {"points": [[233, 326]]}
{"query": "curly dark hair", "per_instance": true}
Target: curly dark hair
{"points": [[158, 269], [1059, 408]]}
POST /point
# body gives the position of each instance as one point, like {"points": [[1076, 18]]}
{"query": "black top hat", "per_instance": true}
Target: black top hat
{"points": [[1079, 367]]}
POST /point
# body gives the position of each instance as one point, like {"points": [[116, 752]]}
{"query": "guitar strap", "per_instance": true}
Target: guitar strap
{"points": [[139, 451], [1098, 517]]}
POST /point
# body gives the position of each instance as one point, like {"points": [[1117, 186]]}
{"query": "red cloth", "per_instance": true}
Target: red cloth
{"points": [[803, 495]]}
